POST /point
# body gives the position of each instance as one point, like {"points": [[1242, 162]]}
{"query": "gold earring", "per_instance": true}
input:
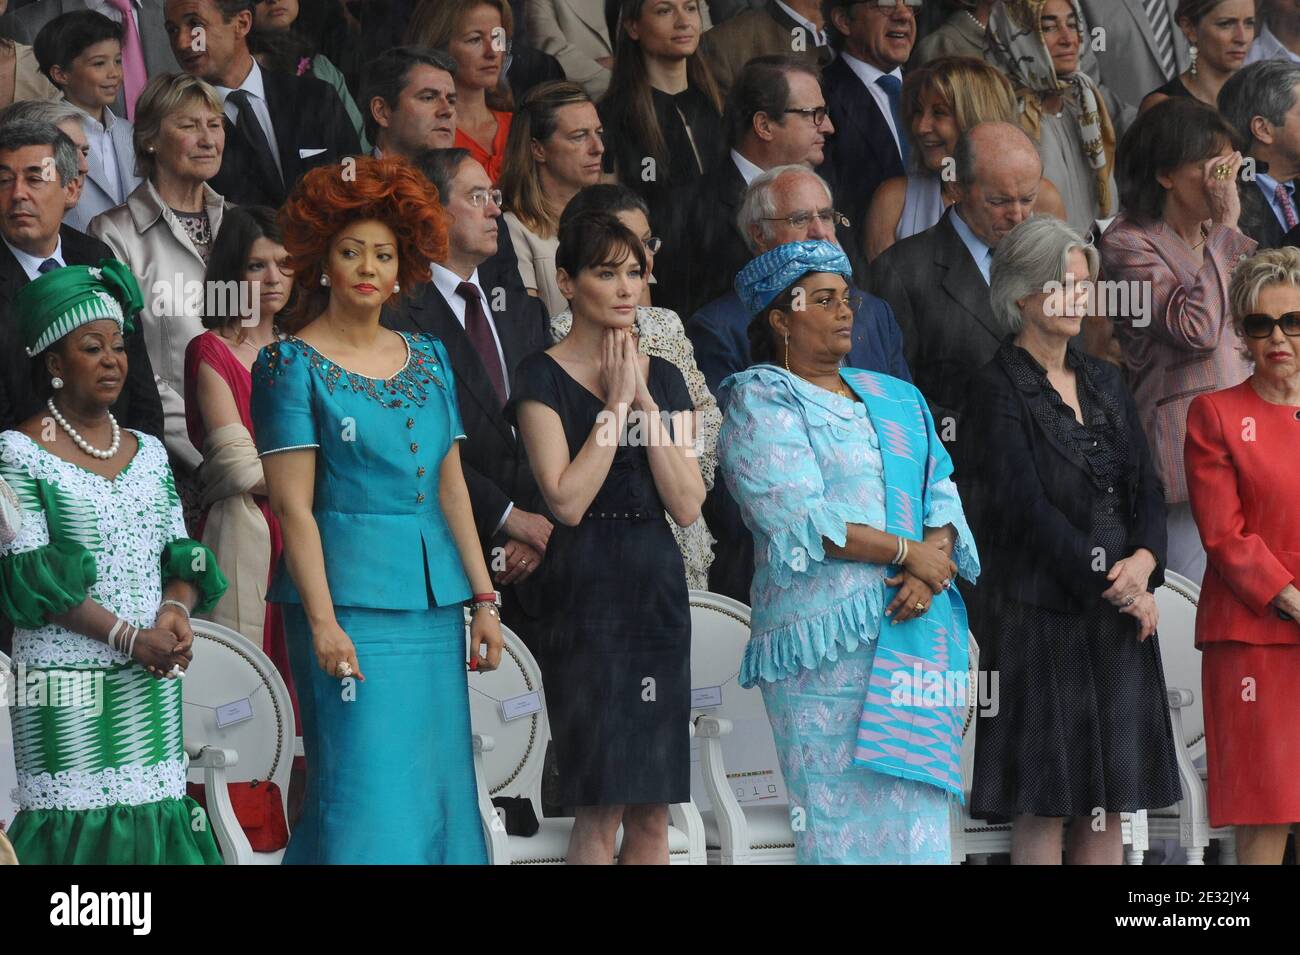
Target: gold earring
{"points": [[787, 351]]}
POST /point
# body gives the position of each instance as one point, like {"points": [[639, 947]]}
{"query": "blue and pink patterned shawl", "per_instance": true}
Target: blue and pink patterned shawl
{"points": [[916, 702]]}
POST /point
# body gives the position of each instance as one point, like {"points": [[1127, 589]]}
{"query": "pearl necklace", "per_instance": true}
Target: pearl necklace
{"points": [[81, 442], [976, 20]]}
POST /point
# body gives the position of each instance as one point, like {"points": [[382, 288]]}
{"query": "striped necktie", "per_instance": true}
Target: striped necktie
{"points": [[1283, 197], [1162, 30]]}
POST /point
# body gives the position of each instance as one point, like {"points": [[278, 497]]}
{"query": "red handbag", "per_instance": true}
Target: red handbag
{"points": [[259, 809]]}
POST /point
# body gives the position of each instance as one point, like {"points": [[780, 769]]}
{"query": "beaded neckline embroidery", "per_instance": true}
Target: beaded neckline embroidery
{"points": [[406, 388]]}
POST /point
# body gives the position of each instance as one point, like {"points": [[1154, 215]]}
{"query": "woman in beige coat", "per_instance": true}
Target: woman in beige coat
{"points": [[164, 231]]}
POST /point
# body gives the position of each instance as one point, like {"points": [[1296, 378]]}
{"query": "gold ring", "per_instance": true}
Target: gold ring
{"points": [[343, 669], [1222, 171], [920, 607]]}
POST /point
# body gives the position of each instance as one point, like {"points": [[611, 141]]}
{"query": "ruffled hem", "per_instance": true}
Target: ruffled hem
{"points": [[188, 560], [792, 549], [169, 832], [804, 644]]}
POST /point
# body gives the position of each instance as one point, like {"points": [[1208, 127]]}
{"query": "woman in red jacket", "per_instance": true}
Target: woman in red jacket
{"points": [[1240, 460]]}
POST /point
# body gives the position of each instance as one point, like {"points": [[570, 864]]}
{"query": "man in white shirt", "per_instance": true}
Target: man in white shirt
{"points": [[775, 116], [279, 126], [488, 328], [864, 93]]}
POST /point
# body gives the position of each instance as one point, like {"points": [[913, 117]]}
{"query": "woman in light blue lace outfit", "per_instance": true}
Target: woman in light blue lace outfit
{"points": [[801, 451]]}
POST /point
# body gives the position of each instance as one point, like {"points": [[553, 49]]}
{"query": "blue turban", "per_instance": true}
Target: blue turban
{"points": [[765, 277]]}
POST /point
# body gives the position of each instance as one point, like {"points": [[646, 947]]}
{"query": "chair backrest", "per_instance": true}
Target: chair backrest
{"points": [[8, 772], [514, 766], [719, 633], [1176, 600], [228, 668]]}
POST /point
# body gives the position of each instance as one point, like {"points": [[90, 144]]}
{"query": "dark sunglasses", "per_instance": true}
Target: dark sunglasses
{"points": [[1261, 326]]}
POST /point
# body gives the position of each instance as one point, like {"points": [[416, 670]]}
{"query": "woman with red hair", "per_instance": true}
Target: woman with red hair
{"points": [[357, 428]]}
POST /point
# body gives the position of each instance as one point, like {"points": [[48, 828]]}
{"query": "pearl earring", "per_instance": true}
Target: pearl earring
{"points": [[1192, 51], [325, 280], [396, 287], [56, 382]]}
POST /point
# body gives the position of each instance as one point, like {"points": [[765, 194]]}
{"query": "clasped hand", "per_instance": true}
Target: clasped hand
{"points": [[927, 571]]}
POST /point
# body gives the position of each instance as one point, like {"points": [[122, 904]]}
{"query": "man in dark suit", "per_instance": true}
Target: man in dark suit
{"points": [[150, 36], [277, 126], [488, 328], [863, 91], [1260, 101], [771, 120], [938, 280], [32, 241], [801, 208]]}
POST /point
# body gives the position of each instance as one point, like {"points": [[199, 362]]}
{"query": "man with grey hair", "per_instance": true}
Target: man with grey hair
{"points": [[1260, 102], [937, 281], [38, 183], [786, 204], [69, 120]]}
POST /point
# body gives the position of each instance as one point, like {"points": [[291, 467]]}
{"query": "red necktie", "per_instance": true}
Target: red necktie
{"points": [[134, 75], [480, 336]]}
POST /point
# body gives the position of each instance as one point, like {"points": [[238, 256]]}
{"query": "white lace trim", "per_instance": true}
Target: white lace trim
{"points": [[53, 646], [124, 786], [125, 524]]}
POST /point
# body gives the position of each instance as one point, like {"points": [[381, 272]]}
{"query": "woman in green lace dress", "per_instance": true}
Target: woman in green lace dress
{"points": [[99, 583]]}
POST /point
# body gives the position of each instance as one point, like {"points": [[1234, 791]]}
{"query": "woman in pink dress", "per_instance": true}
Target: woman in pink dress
{"points": [[245, 287]]}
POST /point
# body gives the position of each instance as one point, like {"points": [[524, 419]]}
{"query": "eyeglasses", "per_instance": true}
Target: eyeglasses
{"points": [[802, 218], [1261, 326], [890, 4], [481, 197], [851, 301], [816, 113], [653, 244]]}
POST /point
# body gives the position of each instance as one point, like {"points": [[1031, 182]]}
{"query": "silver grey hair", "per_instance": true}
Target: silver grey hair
{"points": [[1031, 256], [41, 111], [758, 204], [1266, 88], [21, 133]]}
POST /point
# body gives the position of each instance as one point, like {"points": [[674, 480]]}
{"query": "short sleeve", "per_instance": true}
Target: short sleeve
{"points": [[672, 395], [448, 378], [282, 400], [188, 560], [39, 579], [534, 381]]}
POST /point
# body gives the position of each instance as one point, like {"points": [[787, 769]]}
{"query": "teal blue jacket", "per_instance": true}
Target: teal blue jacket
{"points": [[379, 450]]}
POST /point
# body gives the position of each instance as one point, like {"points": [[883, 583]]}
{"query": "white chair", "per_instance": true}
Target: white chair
{"points": [[228, 668], [1188, 820], [732, 732], [508, 757], [975, 839]]}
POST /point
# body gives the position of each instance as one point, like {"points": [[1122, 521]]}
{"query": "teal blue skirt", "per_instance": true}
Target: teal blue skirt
{"points": [[390, 765]]}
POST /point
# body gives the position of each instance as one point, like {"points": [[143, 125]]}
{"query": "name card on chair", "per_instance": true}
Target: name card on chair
{"points": [[233, 713], [518, 706], [703, 697]]}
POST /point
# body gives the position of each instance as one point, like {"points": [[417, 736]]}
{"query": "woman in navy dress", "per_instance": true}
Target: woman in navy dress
{"points": [[357, 428], [610, 438]]}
